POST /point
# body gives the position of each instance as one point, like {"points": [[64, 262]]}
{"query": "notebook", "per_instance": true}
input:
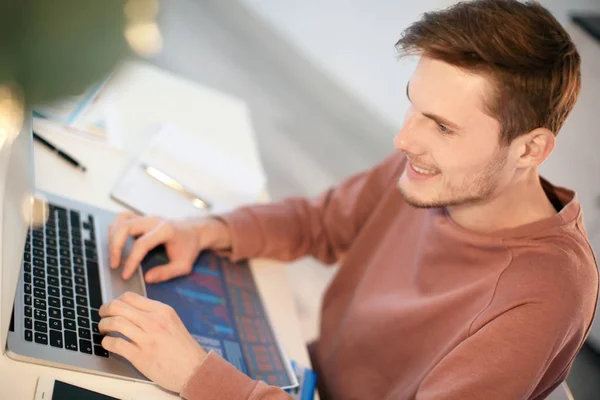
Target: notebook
{"points": [[223, 182]]}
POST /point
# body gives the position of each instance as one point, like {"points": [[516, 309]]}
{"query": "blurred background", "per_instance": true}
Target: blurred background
{"points": [[327, 94]]}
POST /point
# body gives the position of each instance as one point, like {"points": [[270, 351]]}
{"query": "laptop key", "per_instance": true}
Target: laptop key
{"points": [[28, 299], [28, 288], [51, 252], [28, 335], [80, 290], [53, 271], [95, 328], [64, 243], [95, 315], [77, 251], [98, 339], [39, 272], [94, 284], [77, 242], [71, 340], [38, 234], [66, 272], [77, 260], [28, 247], [79, 280], [83, 322], [85, 346], [54, 312], [55, 324], [39, 304], [39, 294], [65, 252], [65, 262], [53, 302], [67, 302], [38, 282], [39, 315], [53, 280], [40, 326], [84, 333], [69, 313], [100, 351], [41, 338], [52, 261], [27, 266], [56, 339], [38, 251], [63, 233], [27, 257], [38, 262], [28, 323], [70, 324], [51, 233], [82, 312], [50, 242], [27, 277], [28, 311], [53, 291], [79, 270], [67, 292], [66, 281], [81, 301], [75, 218]]}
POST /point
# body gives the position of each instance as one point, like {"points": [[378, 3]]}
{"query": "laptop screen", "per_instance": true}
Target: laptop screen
{"points": [[16, 163]]}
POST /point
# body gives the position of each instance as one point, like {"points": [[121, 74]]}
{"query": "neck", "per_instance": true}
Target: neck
{"points": [[520, 202]]}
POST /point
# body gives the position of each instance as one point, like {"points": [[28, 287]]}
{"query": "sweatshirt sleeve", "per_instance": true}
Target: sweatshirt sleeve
{"points": [[216, 379], [520, 347], [323, 227]]}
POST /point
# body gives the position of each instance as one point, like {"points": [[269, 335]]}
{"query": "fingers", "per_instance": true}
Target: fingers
{"points": [[121, 325], [159, 234], [123, 348], [122, 228], [122, 309], [163, 273], [140, 302]]}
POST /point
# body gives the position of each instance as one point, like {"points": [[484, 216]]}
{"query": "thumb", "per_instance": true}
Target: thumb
{"points": [[163, 273]]}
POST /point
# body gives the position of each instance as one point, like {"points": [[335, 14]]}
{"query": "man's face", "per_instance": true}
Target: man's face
{"points": [[452, 145]]}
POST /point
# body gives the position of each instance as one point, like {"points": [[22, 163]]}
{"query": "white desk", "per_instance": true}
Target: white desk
{"points": [[104, 164]]}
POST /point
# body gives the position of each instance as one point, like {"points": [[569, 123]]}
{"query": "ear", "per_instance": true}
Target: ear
{"points": [[534, 147]]}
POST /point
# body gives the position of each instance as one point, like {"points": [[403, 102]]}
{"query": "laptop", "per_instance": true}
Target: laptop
{"points": [[55, 277]]}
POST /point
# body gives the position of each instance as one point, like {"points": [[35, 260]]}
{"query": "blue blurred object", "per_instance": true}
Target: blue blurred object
{"points": [[307, 383]]}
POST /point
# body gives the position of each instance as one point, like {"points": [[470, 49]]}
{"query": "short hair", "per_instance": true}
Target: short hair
{"points": [[533, 65]]}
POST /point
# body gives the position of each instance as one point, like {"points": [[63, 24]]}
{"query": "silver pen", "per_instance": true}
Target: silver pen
{"points": [[166, 180]]}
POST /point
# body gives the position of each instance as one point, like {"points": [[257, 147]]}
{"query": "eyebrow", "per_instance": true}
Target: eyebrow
{"points": [[438, 119]]}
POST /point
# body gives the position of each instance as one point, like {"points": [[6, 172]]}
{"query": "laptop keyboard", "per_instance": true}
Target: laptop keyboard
{"points": [[62, 284]]}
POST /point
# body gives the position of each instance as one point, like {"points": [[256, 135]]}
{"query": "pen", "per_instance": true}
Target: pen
{"points": [[166, 180], [58, 152]]}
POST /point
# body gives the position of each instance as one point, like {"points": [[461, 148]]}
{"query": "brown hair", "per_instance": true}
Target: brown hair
{"points": [[531, 60]]}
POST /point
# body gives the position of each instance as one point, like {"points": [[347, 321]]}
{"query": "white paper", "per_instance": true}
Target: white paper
{"points": [[222, 181]]}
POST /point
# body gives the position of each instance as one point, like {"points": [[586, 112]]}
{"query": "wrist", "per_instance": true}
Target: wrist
{"points": [[213, 233]]}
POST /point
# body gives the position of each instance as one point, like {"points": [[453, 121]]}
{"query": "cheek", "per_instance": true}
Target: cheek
{"points": [[454, 160]]}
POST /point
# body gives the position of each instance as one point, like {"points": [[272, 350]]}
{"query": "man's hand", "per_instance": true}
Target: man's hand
{"points": [[161, 348], [183, 240]]}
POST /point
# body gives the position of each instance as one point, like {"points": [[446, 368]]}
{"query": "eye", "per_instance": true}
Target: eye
{"points": [[444, 128]]}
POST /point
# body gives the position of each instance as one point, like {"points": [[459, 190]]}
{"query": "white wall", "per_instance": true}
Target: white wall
{"points": [[354, 40]]}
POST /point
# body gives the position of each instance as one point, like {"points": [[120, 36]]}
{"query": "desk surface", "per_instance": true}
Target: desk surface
{"points": [[105, 164]]}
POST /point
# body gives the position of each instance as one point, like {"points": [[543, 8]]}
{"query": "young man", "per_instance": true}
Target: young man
{"points": [[464, 274]]}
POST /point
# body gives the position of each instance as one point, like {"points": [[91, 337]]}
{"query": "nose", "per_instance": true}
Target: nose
{"points": [[407, 139]]}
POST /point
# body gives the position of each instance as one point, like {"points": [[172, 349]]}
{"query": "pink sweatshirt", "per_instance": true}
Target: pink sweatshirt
{"points": [[422, 308]]}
